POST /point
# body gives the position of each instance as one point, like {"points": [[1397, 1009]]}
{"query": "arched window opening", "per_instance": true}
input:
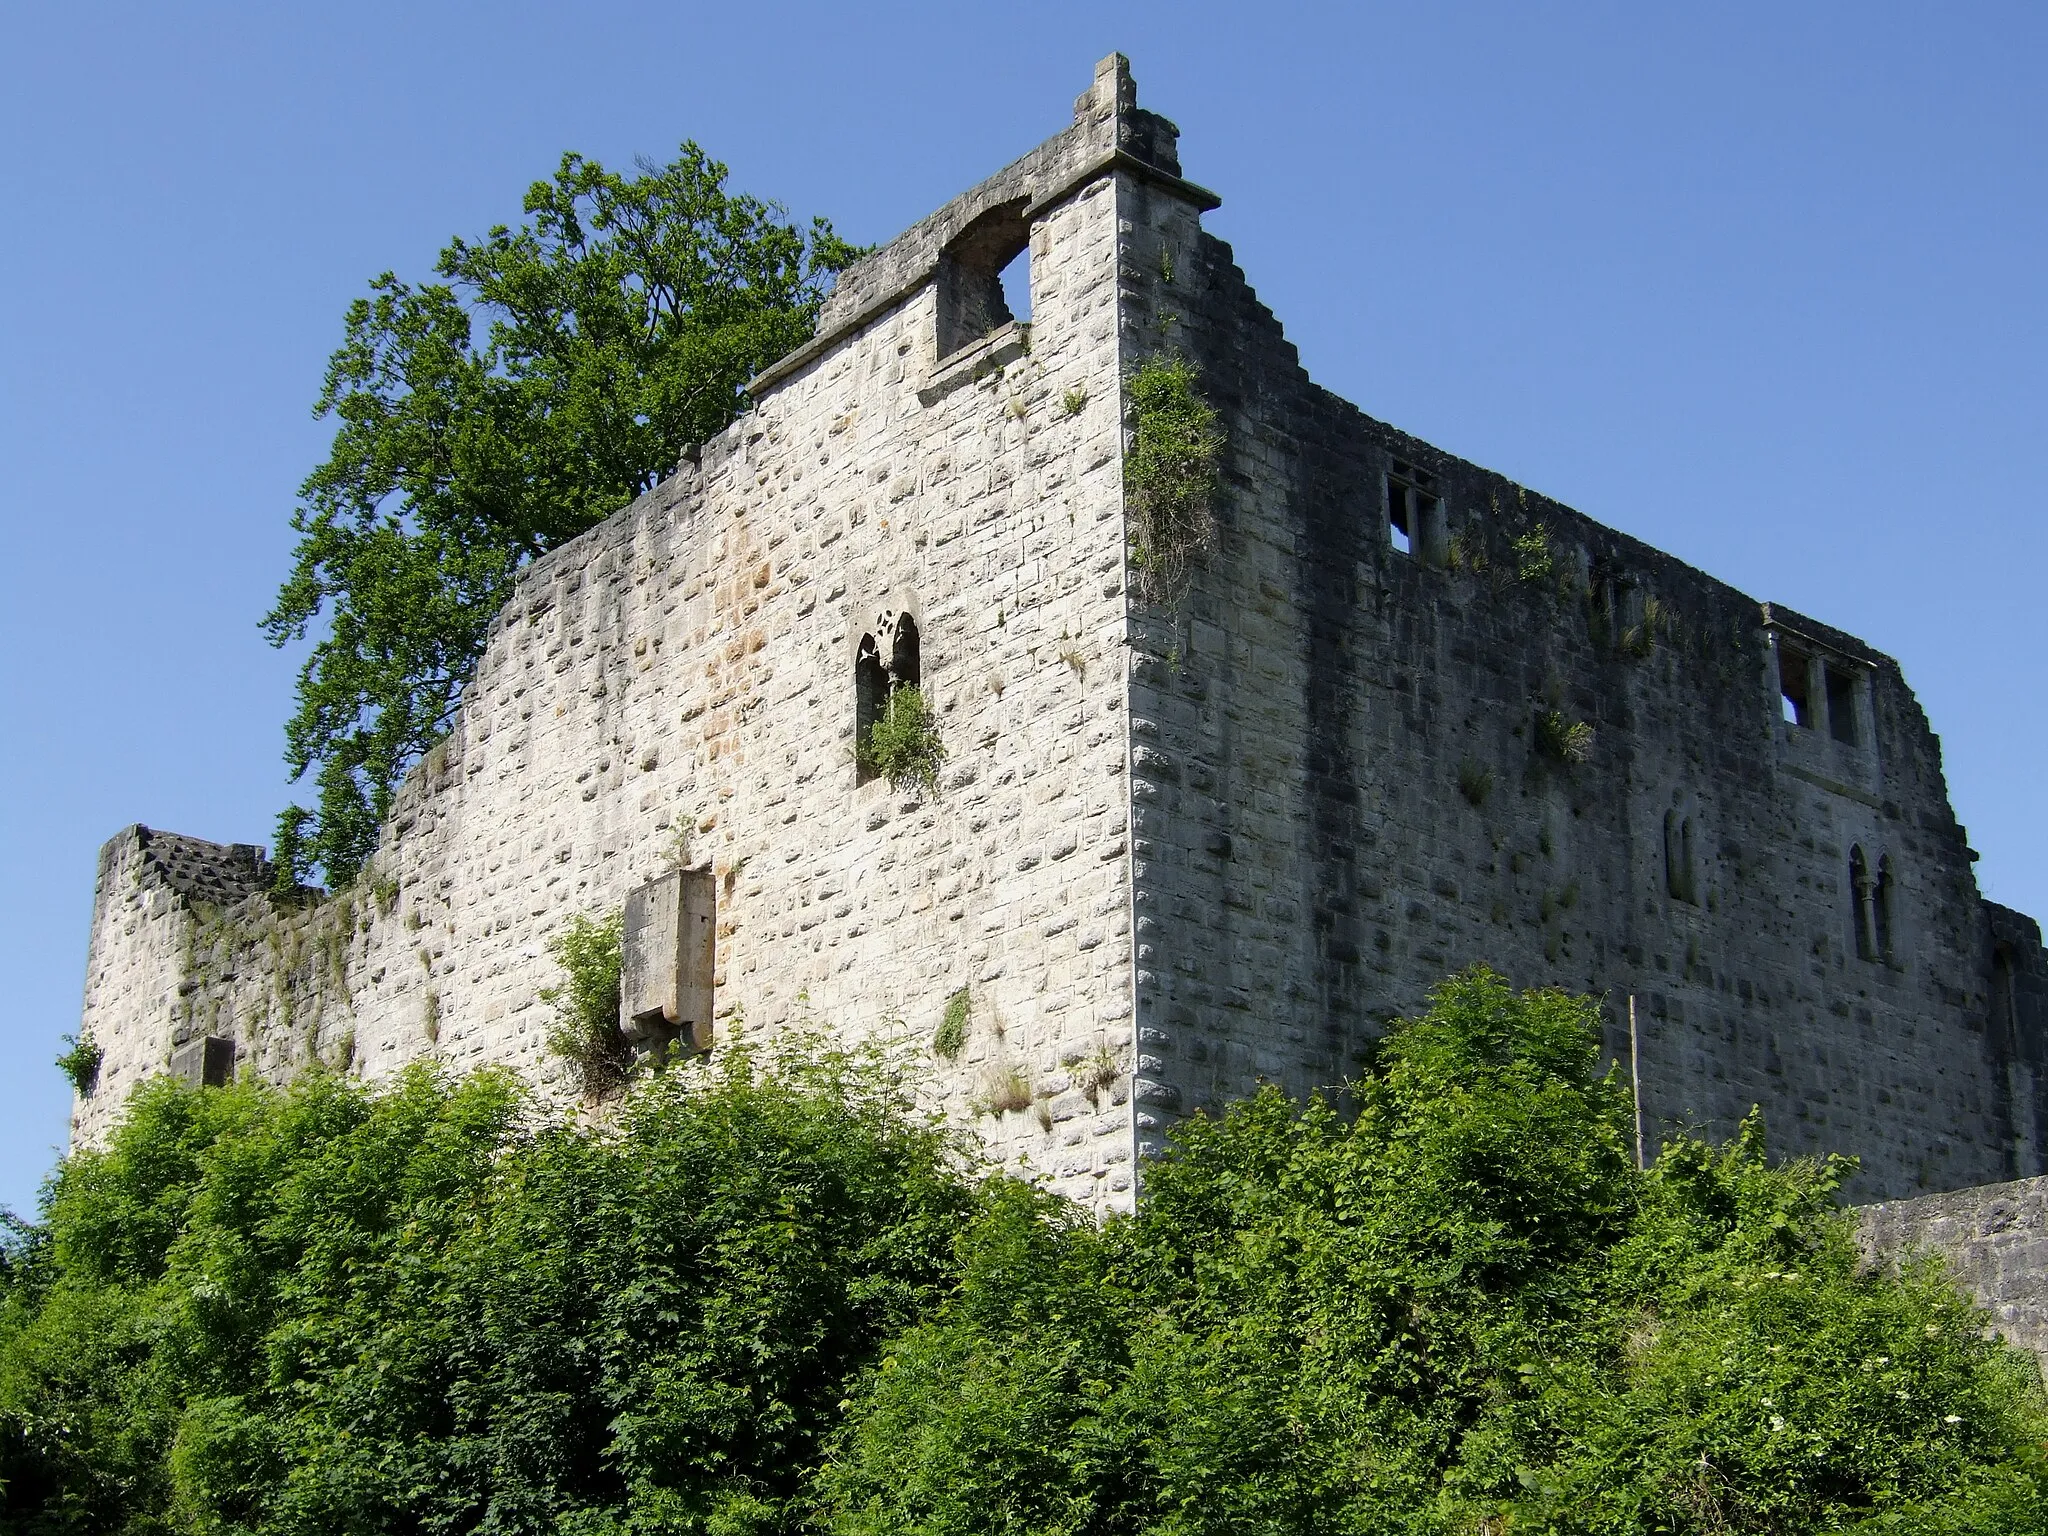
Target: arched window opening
{"points": [[903, 660], [972, 275], [1862, 889], [870, 697], [1881, 925], [1681, 882], [2005, 1019]]}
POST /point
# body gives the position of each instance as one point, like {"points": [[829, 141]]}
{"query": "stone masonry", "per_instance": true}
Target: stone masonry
{"points": [[1409, 717], [1994, 1240]]}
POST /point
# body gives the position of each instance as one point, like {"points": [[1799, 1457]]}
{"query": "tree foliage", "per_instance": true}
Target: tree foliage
{"points": [[586, 1031], [1460, 1310], [429, 1310], [775, 1302], [551, 373]]}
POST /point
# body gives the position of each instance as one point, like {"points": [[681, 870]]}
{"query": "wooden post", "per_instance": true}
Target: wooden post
{"points": [[1635, 1077]]}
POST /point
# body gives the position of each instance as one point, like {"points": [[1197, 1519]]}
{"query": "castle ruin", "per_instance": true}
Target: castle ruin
{"points": [[1406, 716]]}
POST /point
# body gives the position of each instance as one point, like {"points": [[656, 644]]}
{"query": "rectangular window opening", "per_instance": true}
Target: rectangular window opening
{"points": [[1792, 684], [1411, 508], [1016, 284], [1842, 706]]}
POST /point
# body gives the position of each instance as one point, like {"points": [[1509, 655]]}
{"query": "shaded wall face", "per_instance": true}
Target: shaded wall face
{"points": [[679, 685], [1527, 741], [141, 933]]}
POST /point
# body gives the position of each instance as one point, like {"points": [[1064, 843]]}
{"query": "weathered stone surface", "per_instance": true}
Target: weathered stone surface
{"points": [[207, 1062], [1236, 834], [1994, 1240], [668, 959]]}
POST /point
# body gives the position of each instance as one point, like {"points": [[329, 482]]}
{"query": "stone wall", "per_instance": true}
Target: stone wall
{"points": [[1180, 847], [677, 686], [1994, 1240], [1531, 741]]}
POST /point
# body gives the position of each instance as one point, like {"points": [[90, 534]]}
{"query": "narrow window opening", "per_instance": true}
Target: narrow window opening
{"points": [[1414, 514], [2004, 1002], [1881, 911], [1792, 686], [1016, 283], [1679, 881], [904, 671], [870, 695], [972, 277], [1841, 706], [1861, 891]]}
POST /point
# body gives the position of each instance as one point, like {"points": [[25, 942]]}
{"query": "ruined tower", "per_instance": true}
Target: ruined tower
{"points": [[1405, 716]]}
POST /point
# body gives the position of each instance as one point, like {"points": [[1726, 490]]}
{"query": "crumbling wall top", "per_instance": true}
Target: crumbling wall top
{"points": [[1109, 131], [219, 873]]}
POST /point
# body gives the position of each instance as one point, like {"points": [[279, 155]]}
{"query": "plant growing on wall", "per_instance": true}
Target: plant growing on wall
{"points": [[951, 1034], [81, 1062], [1535, 557], [586, 1031], [1170, 474], [903, 745], [1562, 738], [544, 377]]}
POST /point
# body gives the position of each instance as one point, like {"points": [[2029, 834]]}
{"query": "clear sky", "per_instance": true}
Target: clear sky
{"points": [[1760, 284]]}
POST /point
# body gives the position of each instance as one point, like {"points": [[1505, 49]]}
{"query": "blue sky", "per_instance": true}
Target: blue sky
{"points": [[1761, 285]]}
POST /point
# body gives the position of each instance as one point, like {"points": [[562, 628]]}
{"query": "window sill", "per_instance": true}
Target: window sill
{"points": [[977, 360]]}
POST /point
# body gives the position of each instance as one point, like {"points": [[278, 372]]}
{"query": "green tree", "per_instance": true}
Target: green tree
{"points": [[553, 372]]}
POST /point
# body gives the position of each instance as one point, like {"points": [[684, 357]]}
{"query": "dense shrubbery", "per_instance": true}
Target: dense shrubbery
{"points": [[774, 1305], [329, 1311], [1462, 1310]]}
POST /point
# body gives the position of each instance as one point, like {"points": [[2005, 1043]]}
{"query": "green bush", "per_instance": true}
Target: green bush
{"points": [[81, 1063], [1562, 738], [1460, 1309], [586, 1031], [428, 1309], [903, 746]]}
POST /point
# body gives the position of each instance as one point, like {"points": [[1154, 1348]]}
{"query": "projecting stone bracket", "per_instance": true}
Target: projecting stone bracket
{"points": [[667, 961], [208, 1062]]}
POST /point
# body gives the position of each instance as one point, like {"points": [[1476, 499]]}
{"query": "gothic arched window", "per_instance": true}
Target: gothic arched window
{"points": [[870, 698], [1681, 879], [903, 659], [1861, 888], [1882, 898]]}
